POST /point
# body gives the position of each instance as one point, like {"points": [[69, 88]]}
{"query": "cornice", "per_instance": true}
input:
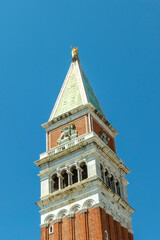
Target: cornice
{"points": [[78, 143], [125, 205], [67, 119], [68, 114], [92, 185], [63, 193]]}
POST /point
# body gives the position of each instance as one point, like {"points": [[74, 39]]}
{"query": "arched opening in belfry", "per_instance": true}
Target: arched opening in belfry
{"points": [[55, 184], [65, 179], [107, 177], [102, 172], [118, 190], [112, 183], [83, 166], [74, 175]]}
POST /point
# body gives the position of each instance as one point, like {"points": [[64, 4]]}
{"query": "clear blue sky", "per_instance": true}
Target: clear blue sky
{"points": [[119, 50]]}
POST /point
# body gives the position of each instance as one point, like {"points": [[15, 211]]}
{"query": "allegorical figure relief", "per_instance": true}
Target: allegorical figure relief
{"points": [[68, 133]]}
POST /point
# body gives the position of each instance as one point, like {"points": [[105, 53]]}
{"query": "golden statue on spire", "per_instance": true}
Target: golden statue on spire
{"points": [[74, 52]]}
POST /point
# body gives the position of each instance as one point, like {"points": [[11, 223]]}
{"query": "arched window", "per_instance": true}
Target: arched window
{"points": [[102, 173], [84, 170], [107, 177], [51, 229], [112, 184], [55, 185], [118, 188], [65, 179], [74, 175]]}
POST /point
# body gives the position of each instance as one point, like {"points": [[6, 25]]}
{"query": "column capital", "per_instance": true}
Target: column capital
{"points": [[79, 168], [69, 172], [59, 176]]}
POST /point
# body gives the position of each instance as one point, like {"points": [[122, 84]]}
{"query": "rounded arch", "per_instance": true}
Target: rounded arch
{"points": [[52, 173], [54, 182], [74, 172], [118, 189], [81, 161], [75, 208], [74, 164], [106, 176], [49, 218], [88, 203], [102, 163], [112, 182], [62, 213], [65, 178], [84, 168], [102, 171]]}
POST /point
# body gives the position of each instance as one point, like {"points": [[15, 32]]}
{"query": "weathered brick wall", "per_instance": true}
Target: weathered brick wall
{"points": [[82, 126], [90, 225], [98, 129], [44, 233], [54, 135], [65, 228], [118, 233]]}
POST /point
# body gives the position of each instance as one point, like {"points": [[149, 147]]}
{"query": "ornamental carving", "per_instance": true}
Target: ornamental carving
{"points": [[104, 137], [68, 133]]}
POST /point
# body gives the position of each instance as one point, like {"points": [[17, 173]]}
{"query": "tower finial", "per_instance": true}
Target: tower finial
{"points": [[74, 52]]}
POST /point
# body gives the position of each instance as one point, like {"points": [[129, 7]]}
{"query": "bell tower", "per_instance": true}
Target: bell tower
{"points": [[83, 181]]}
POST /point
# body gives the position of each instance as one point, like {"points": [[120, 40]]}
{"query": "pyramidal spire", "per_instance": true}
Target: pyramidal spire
{"points": [[76, 90]]}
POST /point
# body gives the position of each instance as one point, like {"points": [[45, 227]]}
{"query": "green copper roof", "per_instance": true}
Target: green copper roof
{"points": [[90, 94], [76, 91], [71, 97]]}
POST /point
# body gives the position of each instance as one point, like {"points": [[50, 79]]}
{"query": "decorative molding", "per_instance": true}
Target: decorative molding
{"points": [[49, 218], [112, 208], [57, 220], [83, 140], [88, 108], [62, 213], [88, 203], [67, 133], [75, 208], [44, 225], [77, 188], [83, 210], [70, 215]]}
